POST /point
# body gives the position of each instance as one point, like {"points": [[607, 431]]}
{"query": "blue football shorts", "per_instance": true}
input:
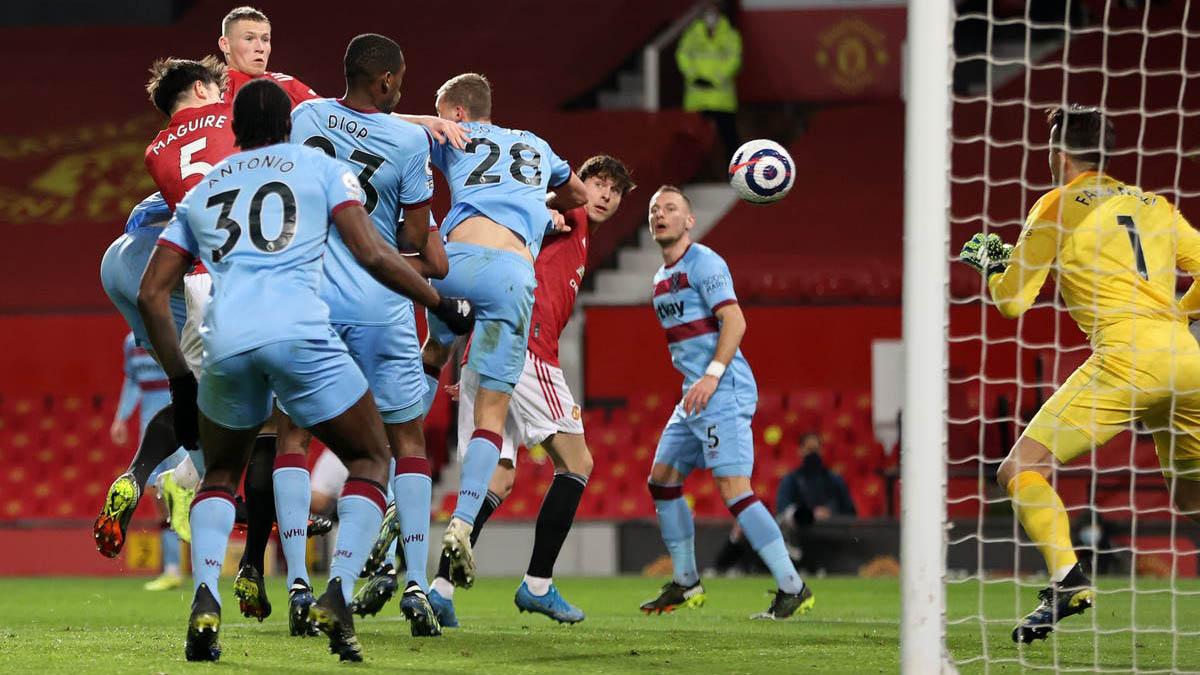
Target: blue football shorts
{"points": [[390, 358], [315, 381], [121, 274], [719, 439], [500, 284]]}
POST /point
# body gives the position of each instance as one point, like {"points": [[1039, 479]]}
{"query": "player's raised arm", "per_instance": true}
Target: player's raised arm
{"points": [[443, 131], [1015, 288], [171, 259], [569, 195]]}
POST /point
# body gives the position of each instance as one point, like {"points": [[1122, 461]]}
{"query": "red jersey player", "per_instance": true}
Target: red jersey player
{"points": [[543, 409], [246, 43], [199, 133]]}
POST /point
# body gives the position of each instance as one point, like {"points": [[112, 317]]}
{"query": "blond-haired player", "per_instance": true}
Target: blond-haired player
{"points": [[1114, 249]]}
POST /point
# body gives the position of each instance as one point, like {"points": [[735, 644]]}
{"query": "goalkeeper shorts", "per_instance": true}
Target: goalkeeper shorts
{"points": [[1157, 384]]}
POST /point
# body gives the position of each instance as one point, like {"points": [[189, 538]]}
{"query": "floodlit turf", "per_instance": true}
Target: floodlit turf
{"points": [[1167, 637], [110, 625]]}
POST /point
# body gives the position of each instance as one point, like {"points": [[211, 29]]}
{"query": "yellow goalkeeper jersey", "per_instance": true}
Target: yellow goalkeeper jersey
{"points": [[1114, 249]]}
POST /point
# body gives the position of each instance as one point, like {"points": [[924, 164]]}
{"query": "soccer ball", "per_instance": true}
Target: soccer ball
{"points": [[761, 171]]}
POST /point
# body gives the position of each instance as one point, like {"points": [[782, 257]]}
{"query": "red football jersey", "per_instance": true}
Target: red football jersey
{"points": [[193, 141], [296, 90], [559, 269]]}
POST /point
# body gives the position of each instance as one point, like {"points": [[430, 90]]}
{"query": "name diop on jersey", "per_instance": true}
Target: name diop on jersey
{"points": [[191, 126], [349, 126], [230, 167]]}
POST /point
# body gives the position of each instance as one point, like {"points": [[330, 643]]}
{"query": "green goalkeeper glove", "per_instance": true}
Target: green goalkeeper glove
{"points": [[988, 255]]}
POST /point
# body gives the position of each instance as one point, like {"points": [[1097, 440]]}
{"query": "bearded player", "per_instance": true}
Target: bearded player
{"points": [[543, 409], [710, 427], [1114, 249]]}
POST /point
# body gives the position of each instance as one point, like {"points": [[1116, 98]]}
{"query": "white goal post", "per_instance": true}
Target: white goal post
{"points": [[927, 71]]}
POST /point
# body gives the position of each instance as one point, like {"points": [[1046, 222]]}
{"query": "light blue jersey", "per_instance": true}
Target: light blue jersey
{"points": [[502, 174], [686, 295], [259, 221], [391, 158], [145, 384]]}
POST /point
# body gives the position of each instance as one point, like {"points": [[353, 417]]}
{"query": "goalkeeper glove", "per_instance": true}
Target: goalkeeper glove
{"points": [[988, 255]]}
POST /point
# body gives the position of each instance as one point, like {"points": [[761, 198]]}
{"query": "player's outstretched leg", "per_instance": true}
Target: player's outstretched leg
{"points": [[293, 494], [679, 535], [537, 593], [793, 597], [158, 443], [483, 453], [356, 436], [249, 586], [1044, 518], [441, 591], [213, 510]]}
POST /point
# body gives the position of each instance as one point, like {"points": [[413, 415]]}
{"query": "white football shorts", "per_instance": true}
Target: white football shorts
{"points": [[541, 406]]}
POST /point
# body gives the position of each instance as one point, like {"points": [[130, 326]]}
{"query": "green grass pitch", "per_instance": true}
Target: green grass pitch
{"points": [[110, 625]]}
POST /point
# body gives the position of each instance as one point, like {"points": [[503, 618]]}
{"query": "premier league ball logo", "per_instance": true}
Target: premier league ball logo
{"points": [[761, 172]]}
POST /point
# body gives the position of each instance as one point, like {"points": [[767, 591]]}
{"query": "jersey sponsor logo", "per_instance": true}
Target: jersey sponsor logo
{"points": [[191, 126], [716, 282], [667, 310], [347, 126]]}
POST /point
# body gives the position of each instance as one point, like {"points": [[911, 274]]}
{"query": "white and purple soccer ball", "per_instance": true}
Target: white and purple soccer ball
{"points": [[761, 171]]}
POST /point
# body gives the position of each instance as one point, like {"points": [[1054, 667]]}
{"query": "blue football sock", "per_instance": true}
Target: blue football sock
{"points": [[431, 381], [678, 531], [413, 489], [360, 513], [212, 521], [483, 453], [765, 538], [293, 496], [170, 551]]}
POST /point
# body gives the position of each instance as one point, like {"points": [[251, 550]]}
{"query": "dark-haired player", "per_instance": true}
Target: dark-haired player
{"points": [[1114, 249], [391, 158], [259, 221], [710, 427], [197, 135], [542, 409]]}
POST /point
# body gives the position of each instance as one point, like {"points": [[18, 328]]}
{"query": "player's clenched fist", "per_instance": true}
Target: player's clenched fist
{"points": [[987, 254], [457, 313]]}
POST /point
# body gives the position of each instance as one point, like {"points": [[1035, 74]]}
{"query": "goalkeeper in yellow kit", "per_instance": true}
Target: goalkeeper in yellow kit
{"points": [[1113, 249]]}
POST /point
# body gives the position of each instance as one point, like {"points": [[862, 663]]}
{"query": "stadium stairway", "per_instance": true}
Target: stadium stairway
{"points": [[629, 283]]}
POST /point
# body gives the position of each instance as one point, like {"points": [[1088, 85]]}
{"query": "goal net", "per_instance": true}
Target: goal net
{"points": [[1137, 62]]}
